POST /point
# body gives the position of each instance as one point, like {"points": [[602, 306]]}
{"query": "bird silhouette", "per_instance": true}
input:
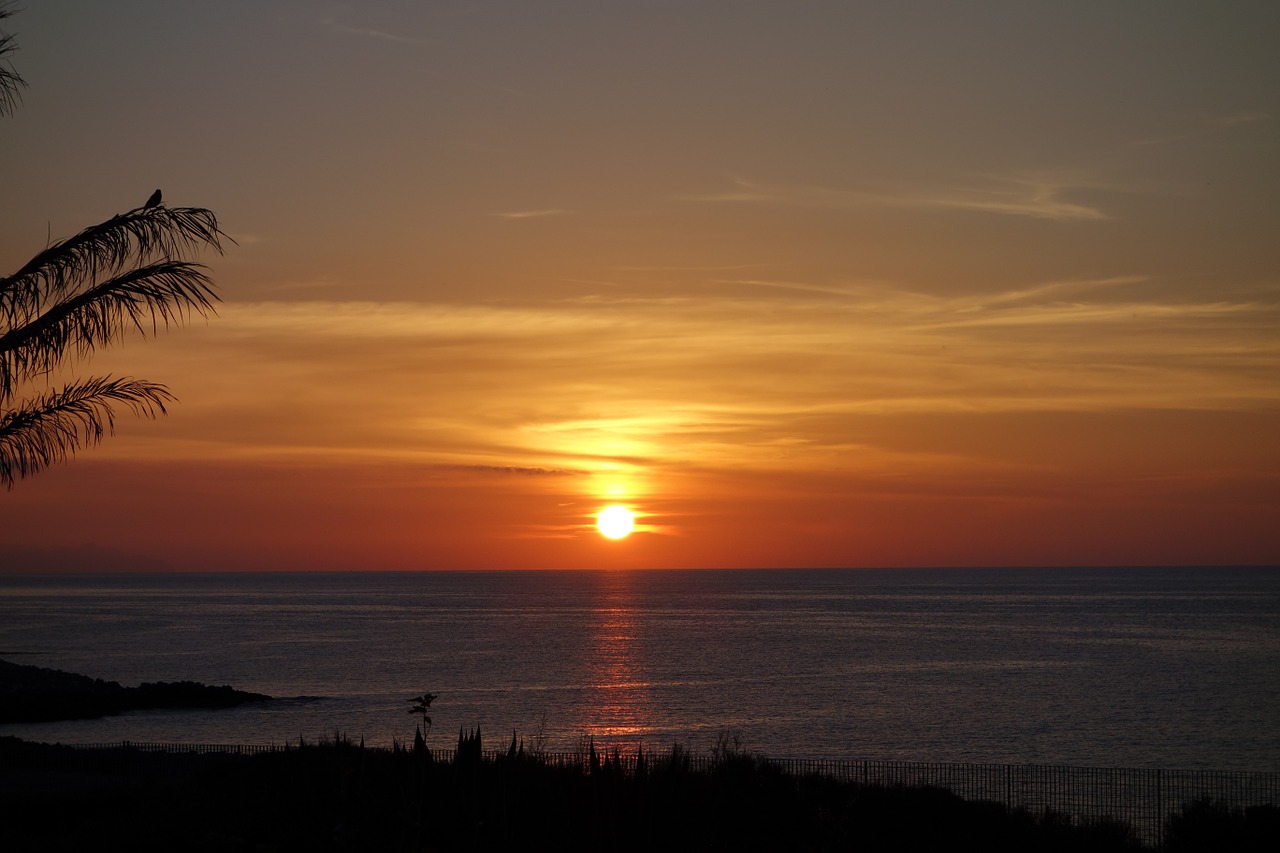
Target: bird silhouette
{"points": [[154, 201]]}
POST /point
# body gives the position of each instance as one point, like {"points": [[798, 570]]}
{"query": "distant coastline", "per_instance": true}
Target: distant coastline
{"points": [[33, 694]]}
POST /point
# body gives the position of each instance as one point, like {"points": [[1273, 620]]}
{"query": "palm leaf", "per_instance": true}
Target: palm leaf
{"points": [[85, 292], [11, 81], [135, 238], [154, 295], [52, 427]]}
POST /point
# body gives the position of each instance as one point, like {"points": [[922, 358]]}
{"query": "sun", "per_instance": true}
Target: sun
{"points": [[616, 521]]}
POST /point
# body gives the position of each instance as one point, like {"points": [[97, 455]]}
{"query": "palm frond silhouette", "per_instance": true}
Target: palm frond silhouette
{"points": [[130, 273], [11, 82], [48, 428]]}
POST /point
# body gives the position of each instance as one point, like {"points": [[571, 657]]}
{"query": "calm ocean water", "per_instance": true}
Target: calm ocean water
{"points": [[1168, 668]]}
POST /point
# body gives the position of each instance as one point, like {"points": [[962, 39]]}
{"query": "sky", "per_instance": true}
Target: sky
{"points": [[802, 284]]}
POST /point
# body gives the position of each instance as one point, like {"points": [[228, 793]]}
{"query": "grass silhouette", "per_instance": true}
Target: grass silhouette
{"points": [[338, 795]]}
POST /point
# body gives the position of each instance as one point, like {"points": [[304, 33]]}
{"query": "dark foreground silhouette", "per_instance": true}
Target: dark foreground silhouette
{"points": [[32, 694], [340, 796]]}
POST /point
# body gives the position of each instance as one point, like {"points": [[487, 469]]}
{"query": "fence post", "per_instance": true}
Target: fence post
{"points": [[1160, 810]]}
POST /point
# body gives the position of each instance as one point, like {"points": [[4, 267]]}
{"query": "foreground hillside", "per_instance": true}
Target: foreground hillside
{"points": [[340, 796]]}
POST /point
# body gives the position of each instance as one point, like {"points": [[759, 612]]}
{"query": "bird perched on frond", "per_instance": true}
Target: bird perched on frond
{"points": [[154, 201]]}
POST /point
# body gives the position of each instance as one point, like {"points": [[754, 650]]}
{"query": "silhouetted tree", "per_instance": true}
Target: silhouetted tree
{"points": [[82, 293], [423, 705]]}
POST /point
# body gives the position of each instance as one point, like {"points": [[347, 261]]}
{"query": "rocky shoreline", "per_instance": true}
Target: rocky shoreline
{"points": [[33, 694]]}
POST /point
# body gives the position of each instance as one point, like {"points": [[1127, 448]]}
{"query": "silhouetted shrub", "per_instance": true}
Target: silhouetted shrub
{"points": [[1208, 826], [336, 795]]}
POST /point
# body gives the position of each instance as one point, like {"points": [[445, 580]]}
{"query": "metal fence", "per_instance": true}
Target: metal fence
{"points": [[1141, 798]]}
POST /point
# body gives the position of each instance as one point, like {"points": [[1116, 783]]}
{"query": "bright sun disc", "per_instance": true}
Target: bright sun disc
{"points": [[615, 521]]}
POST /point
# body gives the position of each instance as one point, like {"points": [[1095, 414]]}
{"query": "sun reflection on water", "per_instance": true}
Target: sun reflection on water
{"points": [[620, 711]]}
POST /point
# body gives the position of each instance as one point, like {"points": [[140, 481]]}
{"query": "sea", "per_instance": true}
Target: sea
{"points": [[1159, 668]]}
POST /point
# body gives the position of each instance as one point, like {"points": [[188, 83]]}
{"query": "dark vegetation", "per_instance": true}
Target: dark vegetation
{"points": [[341, 796], [1209, 825], [31, 694]]}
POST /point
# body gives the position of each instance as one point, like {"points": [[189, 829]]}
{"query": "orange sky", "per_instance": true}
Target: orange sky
{"points": [[804, 284]]}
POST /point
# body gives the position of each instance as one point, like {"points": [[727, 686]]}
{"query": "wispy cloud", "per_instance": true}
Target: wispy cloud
{"points": [[1205, 127], [798, 286], [518, 470], [1243, 117], [338, 27], [1037, 197], [1050, 292], [761, 377], [531, 214], [300, 285]]}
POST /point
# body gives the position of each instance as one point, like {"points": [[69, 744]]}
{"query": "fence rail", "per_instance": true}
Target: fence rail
{"points": [[1141, 798]]}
